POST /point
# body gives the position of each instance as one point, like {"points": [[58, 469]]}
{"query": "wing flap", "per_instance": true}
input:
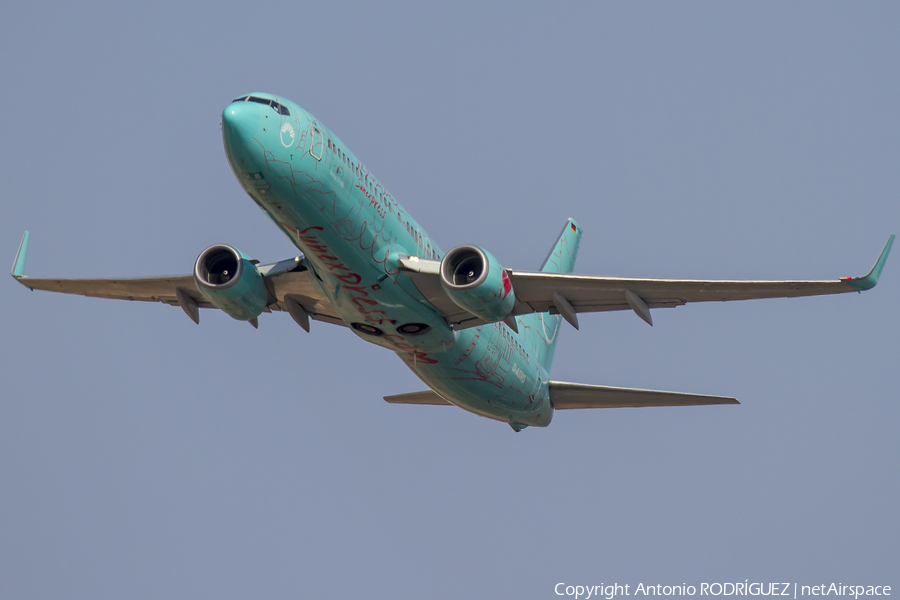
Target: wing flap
{"points": [[578, 395], [296, 283]]}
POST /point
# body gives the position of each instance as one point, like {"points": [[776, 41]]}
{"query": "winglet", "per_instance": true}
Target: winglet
{"points": [[18, 268], [861, 284]]}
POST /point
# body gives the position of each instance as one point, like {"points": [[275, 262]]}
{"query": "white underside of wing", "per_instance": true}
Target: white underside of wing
{"points": [[578, 395], [287, 278], [535, 291], [595, 294]]}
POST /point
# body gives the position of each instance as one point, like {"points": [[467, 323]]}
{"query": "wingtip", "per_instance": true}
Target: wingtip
{"points": [[861, 284], [18, 268]]}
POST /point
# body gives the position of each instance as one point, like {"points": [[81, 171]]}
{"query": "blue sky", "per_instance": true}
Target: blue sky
{"points": [[141, 455]]}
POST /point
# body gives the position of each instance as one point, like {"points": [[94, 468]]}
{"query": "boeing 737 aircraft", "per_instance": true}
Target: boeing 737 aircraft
{"points": [[480, 336]]}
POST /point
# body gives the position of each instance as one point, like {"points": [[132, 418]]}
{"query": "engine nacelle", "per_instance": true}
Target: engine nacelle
{"points": [[227, 278], [476, 282]]}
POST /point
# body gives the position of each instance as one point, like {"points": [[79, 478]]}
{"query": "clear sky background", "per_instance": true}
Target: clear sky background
{"points": [[142, 456]]}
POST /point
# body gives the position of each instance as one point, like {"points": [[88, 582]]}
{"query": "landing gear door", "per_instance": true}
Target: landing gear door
{"points": [[316, 140]]}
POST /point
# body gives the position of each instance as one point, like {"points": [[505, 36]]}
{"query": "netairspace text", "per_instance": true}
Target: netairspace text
{"points": [[745, 588]]}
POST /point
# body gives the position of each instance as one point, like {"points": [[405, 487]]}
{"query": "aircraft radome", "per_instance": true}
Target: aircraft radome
{"points": [[480, 336]]}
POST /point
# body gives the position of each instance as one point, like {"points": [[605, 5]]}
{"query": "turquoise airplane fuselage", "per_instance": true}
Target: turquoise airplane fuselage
{"points": [[353, 233]]}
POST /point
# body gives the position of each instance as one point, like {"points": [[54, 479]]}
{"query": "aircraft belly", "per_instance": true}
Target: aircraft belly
{"points": [[485, 373]]}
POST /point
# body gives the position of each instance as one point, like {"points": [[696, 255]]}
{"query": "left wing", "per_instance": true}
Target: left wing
{"points": [[287, 280], [569, 294]]}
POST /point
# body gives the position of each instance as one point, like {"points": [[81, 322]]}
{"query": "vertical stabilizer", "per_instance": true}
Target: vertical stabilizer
{"points": [[562, 256], [542, 329]]}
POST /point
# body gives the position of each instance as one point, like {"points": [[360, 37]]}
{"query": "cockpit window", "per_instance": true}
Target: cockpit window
{"points": [[276, 106], [281, 109]]}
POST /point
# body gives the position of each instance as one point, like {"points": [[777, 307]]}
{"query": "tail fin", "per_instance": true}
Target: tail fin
{"points": [[543, 327], [562, 257]]}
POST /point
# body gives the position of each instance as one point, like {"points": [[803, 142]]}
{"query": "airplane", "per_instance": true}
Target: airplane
{"points": [[480, 336]]}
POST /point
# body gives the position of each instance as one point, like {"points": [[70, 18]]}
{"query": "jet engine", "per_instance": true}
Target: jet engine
{"points": [[227, 278], [476, 282]]}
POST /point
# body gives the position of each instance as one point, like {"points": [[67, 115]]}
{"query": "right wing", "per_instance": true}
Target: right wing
{"points": [[288, 280]]}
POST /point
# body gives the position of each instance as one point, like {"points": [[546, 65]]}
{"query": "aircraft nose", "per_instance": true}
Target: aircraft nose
{"points": [[240, 121]]}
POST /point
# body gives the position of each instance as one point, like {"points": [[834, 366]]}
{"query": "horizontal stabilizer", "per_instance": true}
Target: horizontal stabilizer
{"points": [[426, 397], [578, 395]]}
